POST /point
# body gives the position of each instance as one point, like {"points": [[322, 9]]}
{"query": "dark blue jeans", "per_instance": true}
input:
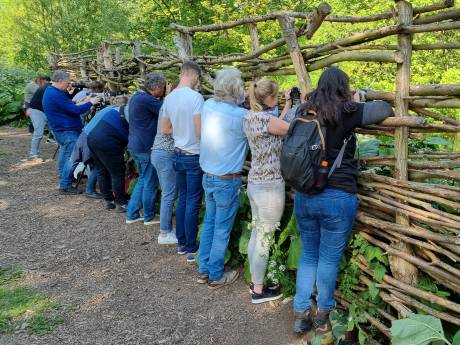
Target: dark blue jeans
{"points": [[325, 221], [222, 202], [66, 141], [190, 191]]}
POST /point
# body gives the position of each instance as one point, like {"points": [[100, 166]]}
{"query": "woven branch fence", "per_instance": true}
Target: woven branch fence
{"points": [[416, 223]]}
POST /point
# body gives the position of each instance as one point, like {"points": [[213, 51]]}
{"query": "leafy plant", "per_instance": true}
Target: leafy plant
{"points": [[418, 329]]}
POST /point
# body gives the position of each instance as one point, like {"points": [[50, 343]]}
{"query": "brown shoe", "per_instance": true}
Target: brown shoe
{"points": [[322, 329], [227, 279], [302, 322], [202, 278]]}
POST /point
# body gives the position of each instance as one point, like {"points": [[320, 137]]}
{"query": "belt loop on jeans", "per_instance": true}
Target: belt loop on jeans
{"points": [[226, 176], [178, 150]]}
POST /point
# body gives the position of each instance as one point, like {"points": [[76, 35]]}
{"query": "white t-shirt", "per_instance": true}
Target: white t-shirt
{"points": [[180, 106]]}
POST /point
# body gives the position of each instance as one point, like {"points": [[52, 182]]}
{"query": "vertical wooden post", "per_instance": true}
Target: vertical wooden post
{"points": [[83, 70], [401, 269], [287, 25], [52, 61], [137, 52], [254, 36], [99, 63], [184, 45], [108, 63], [117, 55]]}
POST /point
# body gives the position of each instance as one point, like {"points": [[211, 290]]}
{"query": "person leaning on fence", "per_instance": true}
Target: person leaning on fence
{"points": [[64, 121], [266, 190], [107, 139], [325, 220], [144, 107], [223, 149], [181, 117], [38, 118]]}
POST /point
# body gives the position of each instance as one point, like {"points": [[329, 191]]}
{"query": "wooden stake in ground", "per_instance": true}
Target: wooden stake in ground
{"points": [[401, 269], [287, 24]]}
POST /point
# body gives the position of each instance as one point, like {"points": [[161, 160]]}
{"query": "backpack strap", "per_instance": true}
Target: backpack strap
{"points": [[122, 111], [338, 160]]}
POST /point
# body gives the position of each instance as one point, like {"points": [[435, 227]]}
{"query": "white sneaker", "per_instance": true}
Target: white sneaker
{"points": [[131, 221], [170, 238]]}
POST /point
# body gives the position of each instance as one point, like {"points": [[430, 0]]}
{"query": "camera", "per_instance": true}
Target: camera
{"points": [[295, 95], [80, 85]]}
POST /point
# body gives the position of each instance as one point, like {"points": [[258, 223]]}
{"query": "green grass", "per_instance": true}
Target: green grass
{"points": [[24, 308]]}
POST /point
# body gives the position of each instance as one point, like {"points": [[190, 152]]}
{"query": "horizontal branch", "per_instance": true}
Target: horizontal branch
{"points": [[438, 17], [444, 26], [395, 57]]}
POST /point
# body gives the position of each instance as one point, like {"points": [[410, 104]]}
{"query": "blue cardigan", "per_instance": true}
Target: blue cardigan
{"points": [[61, 112]]}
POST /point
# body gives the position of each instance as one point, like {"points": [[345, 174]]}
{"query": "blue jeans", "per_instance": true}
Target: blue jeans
{"points": [[190, 191], [91, 182], [222, 202], [66, 141], [325, 221], [162, 161], [38, 119], [145, 191]]}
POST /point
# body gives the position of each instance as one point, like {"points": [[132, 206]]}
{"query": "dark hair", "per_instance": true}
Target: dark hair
{"points": [[191, 66], [331, 97], [96, 86], [45, 77]]}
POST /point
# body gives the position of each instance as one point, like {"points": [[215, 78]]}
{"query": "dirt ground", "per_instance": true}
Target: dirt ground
{"points": [[117, 285]]}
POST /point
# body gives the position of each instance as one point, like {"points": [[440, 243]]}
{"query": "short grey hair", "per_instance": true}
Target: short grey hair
{"points": [[153, 80], [228, 86], [60, 75]]}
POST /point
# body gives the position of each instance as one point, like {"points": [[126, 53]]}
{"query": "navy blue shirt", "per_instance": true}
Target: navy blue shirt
{"points": [[143, 120], [109, 116], [61, 112]]}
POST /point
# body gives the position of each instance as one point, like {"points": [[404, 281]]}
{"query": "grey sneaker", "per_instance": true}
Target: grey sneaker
{"points": [[131, 221], [170, 238], [228, 278]]}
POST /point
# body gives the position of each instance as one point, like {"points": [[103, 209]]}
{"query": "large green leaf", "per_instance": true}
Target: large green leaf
{"points": [[295, 250], [290, 230], [369, 148], [244, 238], [417, 329], [437, 141], [456, 340]]}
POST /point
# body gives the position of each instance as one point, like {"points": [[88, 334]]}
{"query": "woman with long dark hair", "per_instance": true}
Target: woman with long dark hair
{"points": [[325, 220]]}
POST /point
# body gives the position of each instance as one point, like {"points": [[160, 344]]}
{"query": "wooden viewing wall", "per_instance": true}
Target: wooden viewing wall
{"points": [[415, 222]]}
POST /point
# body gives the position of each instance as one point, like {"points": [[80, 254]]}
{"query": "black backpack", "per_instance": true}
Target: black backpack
{"points": [[303, 150]]}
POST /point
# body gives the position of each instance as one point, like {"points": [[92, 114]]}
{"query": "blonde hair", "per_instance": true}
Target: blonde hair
{"points": [[259, 91]]}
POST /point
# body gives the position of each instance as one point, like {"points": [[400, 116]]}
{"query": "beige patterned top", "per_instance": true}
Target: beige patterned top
{"points": [[265, 149]]}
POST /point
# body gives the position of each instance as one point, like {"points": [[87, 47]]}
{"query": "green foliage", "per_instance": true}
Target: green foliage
{"points": [[12, 81], [418, 330], [22, 307]]}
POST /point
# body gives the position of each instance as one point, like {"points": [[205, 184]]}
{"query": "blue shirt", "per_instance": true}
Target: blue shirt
{"points": [[61, 112], [143, 121], [109, 115], [223, 145]]}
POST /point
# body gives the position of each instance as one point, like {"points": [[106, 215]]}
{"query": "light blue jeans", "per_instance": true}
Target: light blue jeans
{"points": [[145, 191], [325, 221], [222, 202], [163, 162], [38, 119], [66, 141]]}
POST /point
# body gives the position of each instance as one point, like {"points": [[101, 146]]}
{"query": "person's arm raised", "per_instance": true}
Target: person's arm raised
{"points": [[375, 112], [277, 126]]}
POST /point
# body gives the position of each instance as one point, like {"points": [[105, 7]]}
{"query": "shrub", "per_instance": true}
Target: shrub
{"points": [[12, 82]]}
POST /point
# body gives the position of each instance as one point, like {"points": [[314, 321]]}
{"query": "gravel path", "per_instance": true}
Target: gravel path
{"points": [[117, 285]]}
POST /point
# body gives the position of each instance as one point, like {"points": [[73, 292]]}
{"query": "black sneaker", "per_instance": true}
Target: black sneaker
{"points": [[121, 208], [267, 295], [70, 191], [302, 322], [110, 205]]}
